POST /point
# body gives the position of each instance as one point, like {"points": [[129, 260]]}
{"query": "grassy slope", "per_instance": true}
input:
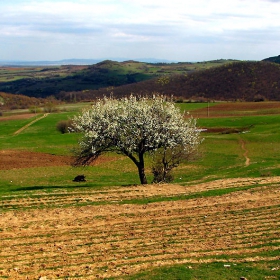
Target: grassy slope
{"points": [[260, 141], [221, 157], [42, 136], [211, 271]]}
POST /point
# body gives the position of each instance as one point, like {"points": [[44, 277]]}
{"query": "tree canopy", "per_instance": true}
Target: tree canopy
{"points": [[133, 126]]}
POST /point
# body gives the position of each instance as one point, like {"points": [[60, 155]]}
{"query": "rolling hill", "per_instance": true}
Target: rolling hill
{"points": [[19, 101], [204, 81], [275, 59], [46, 81], [244, 81]]}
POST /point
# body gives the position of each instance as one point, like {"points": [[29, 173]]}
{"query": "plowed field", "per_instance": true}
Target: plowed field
{"points": [[239, 109], [102, 234], [15, 159]]}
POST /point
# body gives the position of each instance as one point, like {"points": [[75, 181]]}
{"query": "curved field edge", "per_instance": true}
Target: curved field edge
{"points": [[207, 233]]}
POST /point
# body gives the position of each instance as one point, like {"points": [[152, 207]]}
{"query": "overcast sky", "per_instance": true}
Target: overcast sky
{"points": [[177, 30]]}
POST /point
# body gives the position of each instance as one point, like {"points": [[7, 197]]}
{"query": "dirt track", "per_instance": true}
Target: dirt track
{"points": [[101, 241], [29, 124], [243, 147]]}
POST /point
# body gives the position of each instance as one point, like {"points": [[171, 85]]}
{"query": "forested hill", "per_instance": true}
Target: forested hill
{"points": [[247, 81], [18, 101], [275, 59]]}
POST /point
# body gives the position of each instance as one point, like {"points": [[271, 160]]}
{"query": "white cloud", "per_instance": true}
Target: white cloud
{"points": [[176, 29]]}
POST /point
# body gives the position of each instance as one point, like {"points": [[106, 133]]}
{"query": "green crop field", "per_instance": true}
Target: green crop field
{"points": [[219, 219]]}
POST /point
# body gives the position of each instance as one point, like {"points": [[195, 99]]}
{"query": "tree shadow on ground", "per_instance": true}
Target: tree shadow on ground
{"points": [[36, 188]]}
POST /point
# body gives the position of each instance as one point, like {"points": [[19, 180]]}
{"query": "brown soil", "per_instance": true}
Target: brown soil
{"points": [[14, 159], [17, 117], [113, 239], [246, 106], [17, 159], [232, 109]]}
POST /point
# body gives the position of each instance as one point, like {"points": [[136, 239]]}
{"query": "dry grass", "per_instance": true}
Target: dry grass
{"points": [[115, 239]]}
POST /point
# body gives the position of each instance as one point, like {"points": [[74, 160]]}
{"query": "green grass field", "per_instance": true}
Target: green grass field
{"points": [[209, 271], [42, 136], [221, 155]]}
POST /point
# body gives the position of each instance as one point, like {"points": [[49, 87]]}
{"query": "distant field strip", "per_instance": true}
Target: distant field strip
{"points": [[115, 239], [29, 124]]}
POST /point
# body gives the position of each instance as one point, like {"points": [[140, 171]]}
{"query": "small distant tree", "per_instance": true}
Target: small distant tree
{"points": [[34, 109], [133, 126], [51, 105]]}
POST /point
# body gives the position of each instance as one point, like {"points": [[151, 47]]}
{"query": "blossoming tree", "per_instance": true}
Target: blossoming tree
{"points": [[133, 126]]}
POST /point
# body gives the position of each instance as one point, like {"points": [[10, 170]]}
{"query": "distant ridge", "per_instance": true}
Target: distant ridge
{"points": [[275, 59], [49, 63], [202, 81], [76, 61]]}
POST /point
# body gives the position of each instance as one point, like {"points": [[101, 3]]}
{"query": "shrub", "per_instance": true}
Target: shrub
{"points": [[161, 175], [63, 126], [35, 109], [50, 108], [166, 159]]}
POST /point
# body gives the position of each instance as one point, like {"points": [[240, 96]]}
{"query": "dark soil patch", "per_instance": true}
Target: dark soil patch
{"points": [[17, 117], [229, 109], [16, 159]]}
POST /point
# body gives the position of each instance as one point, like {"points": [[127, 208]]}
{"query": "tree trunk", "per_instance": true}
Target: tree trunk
{"points": [[141, 169], [142, 175], [140, 165]]}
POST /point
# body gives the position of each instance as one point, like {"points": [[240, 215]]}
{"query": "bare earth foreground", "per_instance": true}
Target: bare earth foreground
{"points": [[109, 236]]}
